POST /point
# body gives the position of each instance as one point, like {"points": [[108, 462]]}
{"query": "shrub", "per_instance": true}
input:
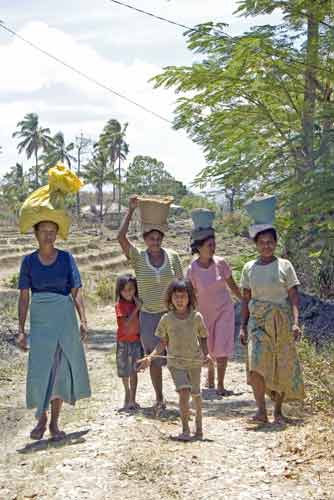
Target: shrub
{"points": [[318, 365], [12, 281], [235, 224], [105, 289]]}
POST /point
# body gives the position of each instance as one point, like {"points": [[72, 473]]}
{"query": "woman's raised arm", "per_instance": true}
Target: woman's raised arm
{"points": [[123, 230]]}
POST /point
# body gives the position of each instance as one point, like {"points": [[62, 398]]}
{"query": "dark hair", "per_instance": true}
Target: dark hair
{"points": [[36, 226], [271, 231], [197, 244], [121, 283], [152, 231], [180, 286]]}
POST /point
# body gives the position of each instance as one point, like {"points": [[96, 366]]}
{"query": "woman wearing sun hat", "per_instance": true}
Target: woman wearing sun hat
{"points": [[211, 276], [155, 267], [270, 316], [57, 370]]}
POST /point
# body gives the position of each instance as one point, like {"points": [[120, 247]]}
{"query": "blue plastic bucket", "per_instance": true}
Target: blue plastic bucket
{"points": [[202, 218], [262, 210]]}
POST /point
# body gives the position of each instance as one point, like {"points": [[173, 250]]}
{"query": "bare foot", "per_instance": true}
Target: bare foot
{"points": [[280, 419], [198, 434]]}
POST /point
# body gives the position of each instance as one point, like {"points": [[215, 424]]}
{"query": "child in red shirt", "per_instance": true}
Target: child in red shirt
{"points": [[129, 349]]}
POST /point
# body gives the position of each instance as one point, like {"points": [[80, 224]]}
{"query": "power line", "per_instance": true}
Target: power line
{"points": [[82, 74], [155, 16], [270, 52]]}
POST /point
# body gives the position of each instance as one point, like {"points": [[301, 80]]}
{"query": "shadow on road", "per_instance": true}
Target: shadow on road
{"points": [[70, 439]]}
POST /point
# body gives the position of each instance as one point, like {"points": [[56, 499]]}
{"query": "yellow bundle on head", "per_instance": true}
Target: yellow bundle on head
{"points": [[48, 202]]}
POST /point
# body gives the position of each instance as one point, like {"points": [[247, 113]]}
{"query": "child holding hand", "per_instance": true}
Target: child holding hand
{"points": [[182, 332], [129, 349]]}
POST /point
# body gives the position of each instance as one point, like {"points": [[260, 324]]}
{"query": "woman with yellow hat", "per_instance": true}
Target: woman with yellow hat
{"points": [[57, 368], [155, 267]]}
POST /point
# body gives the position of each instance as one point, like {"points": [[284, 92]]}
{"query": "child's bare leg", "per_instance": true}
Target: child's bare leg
{"points": [[184, 396], [133, 390], [221, 370], [211, 376], [125, 381], [198, 419]]}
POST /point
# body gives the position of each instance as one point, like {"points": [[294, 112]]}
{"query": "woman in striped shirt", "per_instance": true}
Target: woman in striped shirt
{"points": [[155, 267]]}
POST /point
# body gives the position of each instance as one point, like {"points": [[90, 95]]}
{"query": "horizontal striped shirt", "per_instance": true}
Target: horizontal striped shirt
{"points": [[153, 282]]}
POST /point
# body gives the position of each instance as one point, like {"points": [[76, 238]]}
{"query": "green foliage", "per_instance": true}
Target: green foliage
{"points": [[261, 106], [147, 175], [13, 281], [318, 366], [191, 201], [15, 187], [236, 223], [57, 151], [105, 289]]}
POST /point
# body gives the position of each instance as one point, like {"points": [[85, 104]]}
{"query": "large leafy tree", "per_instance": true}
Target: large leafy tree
{"points": [[58, 151], [32, 138], [261, 104], [147, 175]]}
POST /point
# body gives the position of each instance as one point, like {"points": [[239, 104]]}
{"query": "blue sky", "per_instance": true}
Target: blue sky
{"points": [[118, 47]]}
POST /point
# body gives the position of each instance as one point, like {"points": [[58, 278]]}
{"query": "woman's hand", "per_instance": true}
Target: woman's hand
{"points": [[133, 202], [296, 331], [83, 330], [21, 341], [243, 336], [144, 363], [206, 359]]}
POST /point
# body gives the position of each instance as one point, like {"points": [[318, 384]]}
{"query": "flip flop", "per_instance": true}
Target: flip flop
{"points": [[258, 420], [57, 436], [184, 438]]}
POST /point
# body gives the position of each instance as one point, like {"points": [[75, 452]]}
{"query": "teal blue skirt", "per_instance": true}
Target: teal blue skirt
{"points": [[57, 365]]}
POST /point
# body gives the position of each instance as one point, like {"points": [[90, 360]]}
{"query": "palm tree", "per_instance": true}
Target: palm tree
{"points": [[112, 140], [58, 151], [32, 137], [99, 173]]}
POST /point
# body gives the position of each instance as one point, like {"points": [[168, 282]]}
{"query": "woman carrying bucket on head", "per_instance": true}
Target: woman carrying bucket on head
{"points": [[211, 277], [270, 317], [155, 267]]}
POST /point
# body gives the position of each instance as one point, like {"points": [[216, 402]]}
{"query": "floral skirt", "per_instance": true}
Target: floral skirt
{"points": [[272, 350]]}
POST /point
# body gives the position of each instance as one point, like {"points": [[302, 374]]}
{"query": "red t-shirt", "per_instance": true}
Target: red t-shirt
{"points": [[129, 333]]}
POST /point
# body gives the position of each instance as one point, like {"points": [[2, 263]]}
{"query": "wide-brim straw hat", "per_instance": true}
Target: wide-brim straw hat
{"points": [[154, 212]]}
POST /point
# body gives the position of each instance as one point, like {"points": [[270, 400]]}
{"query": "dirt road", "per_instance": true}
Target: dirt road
{"points": [[109, 455]]}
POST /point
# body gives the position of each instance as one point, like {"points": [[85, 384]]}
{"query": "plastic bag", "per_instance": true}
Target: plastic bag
{"points": [[48, 202]]}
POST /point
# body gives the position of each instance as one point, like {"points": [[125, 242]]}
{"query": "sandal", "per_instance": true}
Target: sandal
{"points": [[183, 437], [224, 392], [57, 435], [257, 419], [37, 433]]}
